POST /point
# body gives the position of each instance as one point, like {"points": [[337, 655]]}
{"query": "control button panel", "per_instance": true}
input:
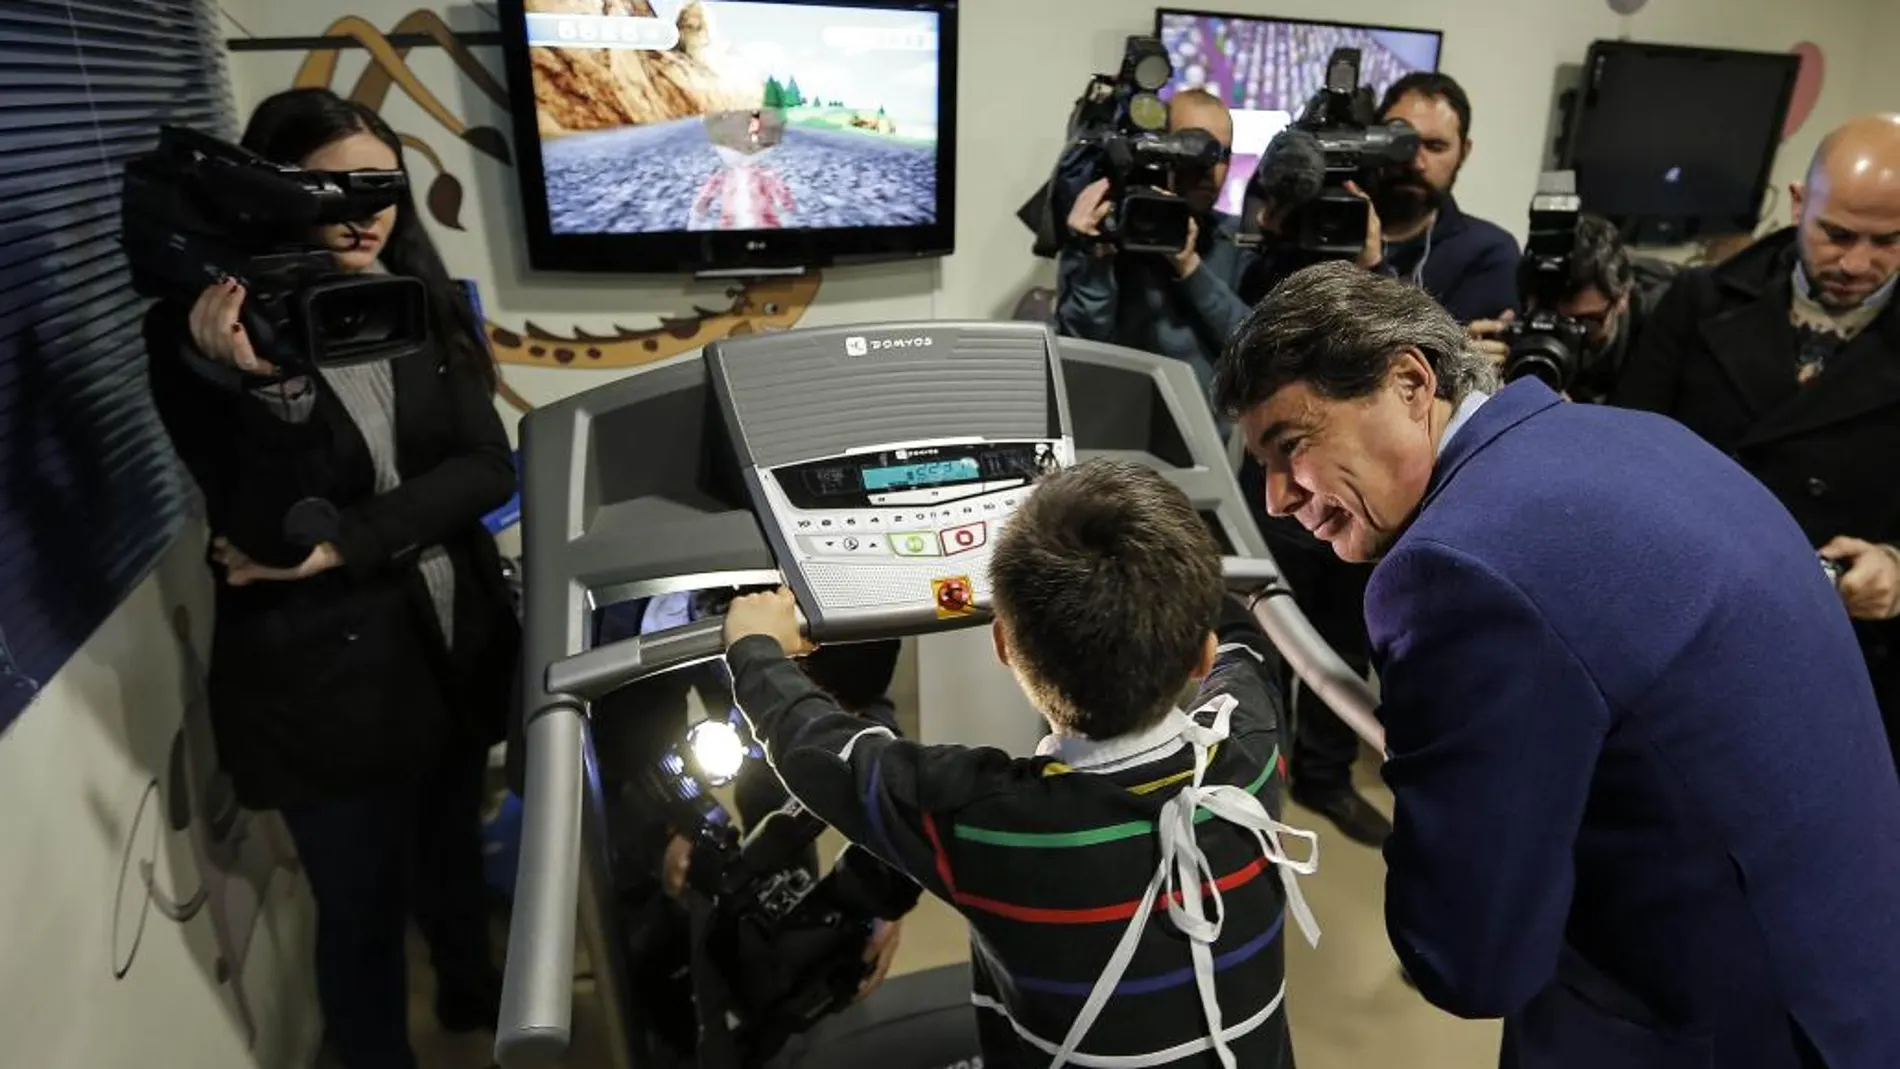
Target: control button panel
{"points": [[909, 533]]}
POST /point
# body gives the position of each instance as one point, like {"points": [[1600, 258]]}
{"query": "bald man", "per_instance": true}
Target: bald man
{"points": [[1787, 357], [1183, 305]]}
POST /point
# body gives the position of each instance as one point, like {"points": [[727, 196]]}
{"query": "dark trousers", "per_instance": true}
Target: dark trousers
{"points": [[373, 859], [1332, 594]]}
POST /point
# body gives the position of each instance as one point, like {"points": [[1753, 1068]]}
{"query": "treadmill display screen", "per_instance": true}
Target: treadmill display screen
{"points": [[950, 471], [915, 476]]}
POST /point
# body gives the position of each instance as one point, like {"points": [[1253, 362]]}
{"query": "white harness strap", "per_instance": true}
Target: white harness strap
{"points": [[1185, 873]]}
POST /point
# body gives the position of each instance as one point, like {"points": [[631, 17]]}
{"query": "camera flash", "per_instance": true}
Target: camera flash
{"points": [[717, 750]]}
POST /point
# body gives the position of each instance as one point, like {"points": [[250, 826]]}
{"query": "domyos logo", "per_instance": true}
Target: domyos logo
{"points": [[859, 345]]}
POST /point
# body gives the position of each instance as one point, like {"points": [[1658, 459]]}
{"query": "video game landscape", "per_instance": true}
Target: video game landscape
{"points": [[761, 117]]}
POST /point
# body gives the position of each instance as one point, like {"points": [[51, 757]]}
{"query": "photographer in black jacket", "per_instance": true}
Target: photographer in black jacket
{"points": [[356, 685], [1611, 292]]}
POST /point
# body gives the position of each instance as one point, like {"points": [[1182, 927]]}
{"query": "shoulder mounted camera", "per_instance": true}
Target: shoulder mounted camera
{"points": [[197, 209], [1121, 125], [1545, 345], [1304, 171]]}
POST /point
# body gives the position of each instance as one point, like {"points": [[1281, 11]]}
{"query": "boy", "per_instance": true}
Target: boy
{"points": [[1104, 586]]}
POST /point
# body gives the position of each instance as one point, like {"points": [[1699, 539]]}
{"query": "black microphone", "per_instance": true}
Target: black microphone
{"points": [[1291, 171]]}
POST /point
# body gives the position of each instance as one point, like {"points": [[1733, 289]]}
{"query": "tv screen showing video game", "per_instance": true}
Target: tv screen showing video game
{"points": [[1266, 69], [739, 117]]}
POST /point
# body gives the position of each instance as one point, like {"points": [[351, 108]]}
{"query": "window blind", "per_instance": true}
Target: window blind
{"points": [[90, 490]]}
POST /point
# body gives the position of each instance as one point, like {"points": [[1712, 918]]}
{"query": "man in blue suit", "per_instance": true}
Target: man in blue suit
{"points": [[1645, 809]]}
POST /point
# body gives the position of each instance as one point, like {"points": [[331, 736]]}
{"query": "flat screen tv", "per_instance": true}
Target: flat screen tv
{"points": [[1266, 69], [732, 136], [1674, 143]]}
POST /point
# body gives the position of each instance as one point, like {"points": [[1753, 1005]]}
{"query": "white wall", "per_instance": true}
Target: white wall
{"points": [[1878, 86], [86, 795]]}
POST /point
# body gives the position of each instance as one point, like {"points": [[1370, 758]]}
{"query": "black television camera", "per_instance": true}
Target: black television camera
{"points": [[196, 209], [1122, 123], [1543, 344], [1305, 169]]}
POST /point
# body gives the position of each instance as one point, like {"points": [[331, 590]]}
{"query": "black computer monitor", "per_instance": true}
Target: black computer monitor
{"points": [[1674, 143]]}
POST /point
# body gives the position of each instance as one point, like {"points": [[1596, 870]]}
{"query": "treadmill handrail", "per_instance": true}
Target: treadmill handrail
{"points": [[1331, 680], [593, 674], [537, 991]]}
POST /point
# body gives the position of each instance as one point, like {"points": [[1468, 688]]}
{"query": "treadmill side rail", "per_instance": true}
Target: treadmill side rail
{"points": [[537, 993]]}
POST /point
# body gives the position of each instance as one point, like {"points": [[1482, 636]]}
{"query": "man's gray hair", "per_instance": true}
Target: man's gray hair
{"points": [[1338, 329]]}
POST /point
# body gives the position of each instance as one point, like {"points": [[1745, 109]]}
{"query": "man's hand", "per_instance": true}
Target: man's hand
{"points": [[1090, 208], [774, 614], [1372, 254], [241, 570], [1871, 586], [1484, 337], [675, 865], [879, 953], [1188, 260]]}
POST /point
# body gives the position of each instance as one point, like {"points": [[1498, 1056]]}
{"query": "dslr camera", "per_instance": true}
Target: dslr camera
{"points": [[1543, 344], [1122, 124], [196, 209], [1304, 171]]}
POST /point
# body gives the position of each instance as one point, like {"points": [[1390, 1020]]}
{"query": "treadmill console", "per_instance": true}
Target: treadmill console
{"points": [[871, 516], [903, 521]]}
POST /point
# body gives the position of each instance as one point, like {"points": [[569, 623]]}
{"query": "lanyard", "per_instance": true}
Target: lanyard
{"points": [[1184, 872]]}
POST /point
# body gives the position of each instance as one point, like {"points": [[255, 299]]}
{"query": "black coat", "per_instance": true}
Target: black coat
{"points": [[1719, 355], [324, 685]]}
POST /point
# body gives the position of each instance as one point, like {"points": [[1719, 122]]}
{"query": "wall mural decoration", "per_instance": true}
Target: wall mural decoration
{"points": [[1807, 87], [752, 305]]}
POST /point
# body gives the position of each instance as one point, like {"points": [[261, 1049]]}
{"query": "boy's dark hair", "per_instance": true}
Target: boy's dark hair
{"points": [[1437, 86], [1107, 583]]}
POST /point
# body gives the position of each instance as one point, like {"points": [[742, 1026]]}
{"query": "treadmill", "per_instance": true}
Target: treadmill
{"points": [[867, 468]]}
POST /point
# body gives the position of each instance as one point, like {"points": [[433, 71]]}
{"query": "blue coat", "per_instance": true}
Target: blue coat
{"points": [[1646, 809]]}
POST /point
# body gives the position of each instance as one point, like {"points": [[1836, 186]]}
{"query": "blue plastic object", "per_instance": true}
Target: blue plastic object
{"points": [[501, 847]]}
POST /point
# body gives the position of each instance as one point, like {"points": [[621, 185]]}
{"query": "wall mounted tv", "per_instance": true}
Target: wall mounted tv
{"points": [[732, 136], [1674, 143], [1266, 69]]}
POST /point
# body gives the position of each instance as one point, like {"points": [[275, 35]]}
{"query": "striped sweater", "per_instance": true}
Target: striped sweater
{"points": [[1049, 860]]}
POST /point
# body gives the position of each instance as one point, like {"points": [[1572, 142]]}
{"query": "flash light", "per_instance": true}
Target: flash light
{"points": [[717, 750]]}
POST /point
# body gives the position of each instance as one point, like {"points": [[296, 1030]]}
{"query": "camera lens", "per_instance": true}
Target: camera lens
{"points": [[350, 321], [356, 318], [1147, 111], [1543, 357], [1153, 70]]}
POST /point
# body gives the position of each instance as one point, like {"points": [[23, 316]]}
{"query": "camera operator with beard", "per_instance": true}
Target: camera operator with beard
{"points": [[1467, 264], [1787, 357], [1183, 306], [1611, 292]]}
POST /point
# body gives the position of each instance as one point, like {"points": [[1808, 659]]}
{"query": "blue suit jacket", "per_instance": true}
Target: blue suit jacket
{"points": [[1646, 809]]}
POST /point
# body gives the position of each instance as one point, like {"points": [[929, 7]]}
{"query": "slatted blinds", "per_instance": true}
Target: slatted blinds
{"points": [[90, 492]]}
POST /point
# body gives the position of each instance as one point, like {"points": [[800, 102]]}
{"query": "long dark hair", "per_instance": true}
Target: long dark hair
{"points": [[288, 126]]}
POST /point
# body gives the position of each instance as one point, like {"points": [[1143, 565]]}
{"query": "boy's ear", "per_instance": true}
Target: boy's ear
{"points": [[1002, 642], [1209, 649]]}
